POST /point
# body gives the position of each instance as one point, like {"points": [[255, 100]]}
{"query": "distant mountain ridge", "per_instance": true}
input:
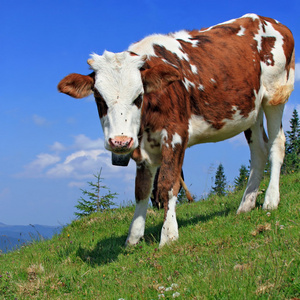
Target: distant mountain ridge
{"points": [[14, 236]]}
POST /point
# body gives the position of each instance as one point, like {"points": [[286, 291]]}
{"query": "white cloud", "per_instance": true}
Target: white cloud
{"points": [[78, 161], [80, 164], [93, 154], [57, 147], [84, 142], [44, 160], [37, 166], [297, 71], [38, 120]]}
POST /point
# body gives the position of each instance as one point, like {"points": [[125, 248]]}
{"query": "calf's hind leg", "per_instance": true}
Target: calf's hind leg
{"points": [[257, 141], [277, 152]]}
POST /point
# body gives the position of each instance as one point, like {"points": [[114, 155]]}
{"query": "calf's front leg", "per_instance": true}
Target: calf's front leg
{"points": [[169, 230], [143, 185], [168, 187]]}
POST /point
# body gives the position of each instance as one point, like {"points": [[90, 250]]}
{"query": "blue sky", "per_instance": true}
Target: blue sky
{"points": [[51, 144]]}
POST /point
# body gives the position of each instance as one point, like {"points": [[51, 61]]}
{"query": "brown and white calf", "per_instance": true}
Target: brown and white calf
{"points": [[170, 92]]}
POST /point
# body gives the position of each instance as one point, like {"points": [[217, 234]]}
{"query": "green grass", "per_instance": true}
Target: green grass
{"points": [[219, 255]]}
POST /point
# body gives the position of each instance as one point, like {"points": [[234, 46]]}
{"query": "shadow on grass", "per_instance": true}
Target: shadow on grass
{"points": [[108, 250], [152, 234]]}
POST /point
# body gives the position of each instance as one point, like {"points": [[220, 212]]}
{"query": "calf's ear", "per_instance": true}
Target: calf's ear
{"points": [[77, 85], [159, 77]]}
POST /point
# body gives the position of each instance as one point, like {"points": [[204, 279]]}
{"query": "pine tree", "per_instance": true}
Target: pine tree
{"points": [[292, 148], [96, 202], [220, 182], [293, 135], [241, 181]]}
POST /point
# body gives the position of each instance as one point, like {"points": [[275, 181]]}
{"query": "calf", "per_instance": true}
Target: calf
{"points": [[170, 92]]}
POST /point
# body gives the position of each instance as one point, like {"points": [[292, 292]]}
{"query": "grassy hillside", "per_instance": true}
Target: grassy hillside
{"points": [[219, 255]]}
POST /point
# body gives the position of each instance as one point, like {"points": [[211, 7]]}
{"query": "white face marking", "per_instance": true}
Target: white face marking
{"points": [[119, 82], [212, 80]]}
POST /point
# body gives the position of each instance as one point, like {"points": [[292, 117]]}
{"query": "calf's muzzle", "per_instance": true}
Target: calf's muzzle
{"points": [[121, 147], [121, 144]]}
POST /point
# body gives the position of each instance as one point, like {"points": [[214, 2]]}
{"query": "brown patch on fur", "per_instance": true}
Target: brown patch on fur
{"points": [[224, 69], [159, 77], [156, 203], [170, 169], [132, 53], [101, 104], [267, 44], [77, 85], [142, 183]]}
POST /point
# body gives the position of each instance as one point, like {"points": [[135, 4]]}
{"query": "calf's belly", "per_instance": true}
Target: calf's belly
{"points": [[201, 131]]}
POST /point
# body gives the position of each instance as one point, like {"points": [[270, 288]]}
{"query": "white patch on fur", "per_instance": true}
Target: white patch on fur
{"points": [[188, 83], [169, 230], [176, 140], [242, 31], [167, 62], [185, 36], [271, 77], [149, 152], [201, 131], [164, 137], [194, 69], [145, 46], [201, 87], [252, 16]]}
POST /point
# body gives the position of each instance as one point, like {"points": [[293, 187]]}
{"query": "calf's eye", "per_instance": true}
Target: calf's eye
{"points": [[138, 101]]}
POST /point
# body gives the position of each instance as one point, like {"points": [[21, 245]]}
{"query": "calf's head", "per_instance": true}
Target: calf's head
{"points": [[119, 83]]}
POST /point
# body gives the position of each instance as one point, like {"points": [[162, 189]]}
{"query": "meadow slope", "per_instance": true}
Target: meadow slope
{"points": [[219, 255]]}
